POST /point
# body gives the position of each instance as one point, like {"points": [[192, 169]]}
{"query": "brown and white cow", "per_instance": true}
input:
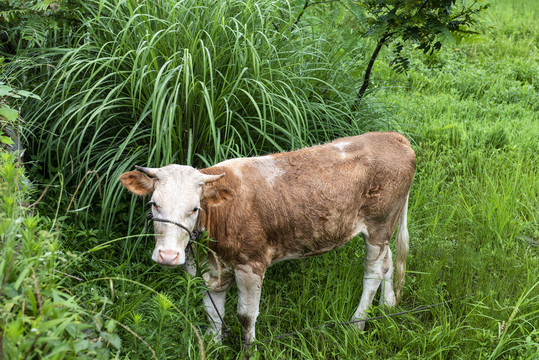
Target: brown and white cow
{"points": [[262, 210]]}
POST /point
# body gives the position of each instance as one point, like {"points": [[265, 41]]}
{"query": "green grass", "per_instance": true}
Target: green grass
{"points": [[470, 110]]}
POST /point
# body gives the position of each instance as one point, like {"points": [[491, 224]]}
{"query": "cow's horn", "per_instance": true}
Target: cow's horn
{"points": [[147, 171], [211, 178]]}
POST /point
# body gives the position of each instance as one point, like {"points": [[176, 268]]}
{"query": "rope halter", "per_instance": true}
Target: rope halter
{"points": [[194, 236]]}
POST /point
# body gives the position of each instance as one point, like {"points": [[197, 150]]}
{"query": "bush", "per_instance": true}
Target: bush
{"points": [[27, 26], [40, 317]]}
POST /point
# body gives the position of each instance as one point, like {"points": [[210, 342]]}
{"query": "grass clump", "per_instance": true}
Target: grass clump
{"points": [[474, 204], [186, 82]]}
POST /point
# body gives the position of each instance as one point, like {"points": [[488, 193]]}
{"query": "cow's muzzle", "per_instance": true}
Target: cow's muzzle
{"points": [[170, 257]]}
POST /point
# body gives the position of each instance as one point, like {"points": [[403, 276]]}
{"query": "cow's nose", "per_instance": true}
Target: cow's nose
{"points": [[168, 257]]}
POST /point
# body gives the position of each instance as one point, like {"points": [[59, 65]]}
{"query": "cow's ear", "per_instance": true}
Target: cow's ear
{"points": [[137, 182], [217, 195]]}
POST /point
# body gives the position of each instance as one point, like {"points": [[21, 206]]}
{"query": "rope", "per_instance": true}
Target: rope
{"points": [[194, 237]]}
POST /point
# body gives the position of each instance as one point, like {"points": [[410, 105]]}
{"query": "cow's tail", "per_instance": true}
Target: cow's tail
{"points": [[402, 249]]}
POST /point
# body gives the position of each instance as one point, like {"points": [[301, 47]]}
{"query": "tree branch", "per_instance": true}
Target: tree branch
{"points": [[307, 4], [421, 8], [366, 78], [301, 14]]}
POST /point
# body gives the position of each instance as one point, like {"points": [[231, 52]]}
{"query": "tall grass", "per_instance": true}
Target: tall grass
{"points": [[190, 82]]}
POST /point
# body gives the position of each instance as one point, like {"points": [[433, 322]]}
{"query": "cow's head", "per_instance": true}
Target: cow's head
{"points": [[176, 195]]}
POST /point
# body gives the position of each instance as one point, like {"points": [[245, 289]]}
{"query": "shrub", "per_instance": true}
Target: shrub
{"points": [[40, 317]]}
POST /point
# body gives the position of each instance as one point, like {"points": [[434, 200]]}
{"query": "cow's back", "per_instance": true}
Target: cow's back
{"points": [[309, 201]]}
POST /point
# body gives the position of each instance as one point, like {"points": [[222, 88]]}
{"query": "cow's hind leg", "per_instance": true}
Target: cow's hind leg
{"points": [[387, 294], [376, 259]]}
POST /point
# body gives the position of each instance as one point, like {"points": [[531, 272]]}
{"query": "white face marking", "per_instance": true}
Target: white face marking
{"points": [[176, 197]]}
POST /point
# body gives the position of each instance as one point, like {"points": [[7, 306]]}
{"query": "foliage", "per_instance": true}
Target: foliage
{"points": [[424, 24], [6, 112], [39, 316], [33, 24], [7, 96], [9, 116], [188, 82], [473, 224]]}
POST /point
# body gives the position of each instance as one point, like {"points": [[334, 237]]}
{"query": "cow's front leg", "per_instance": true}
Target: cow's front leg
{"points": [[218, 279], [215, 311], [249, 282]]}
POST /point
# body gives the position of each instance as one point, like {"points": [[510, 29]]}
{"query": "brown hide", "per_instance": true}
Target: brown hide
{"points": [[309, 201]]}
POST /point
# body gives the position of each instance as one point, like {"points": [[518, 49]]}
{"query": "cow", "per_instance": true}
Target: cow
{"points": [[266, 209]]}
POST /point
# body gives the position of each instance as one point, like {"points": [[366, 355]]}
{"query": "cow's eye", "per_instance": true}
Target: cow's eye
{"points": [[195, 209], [152, 203]]}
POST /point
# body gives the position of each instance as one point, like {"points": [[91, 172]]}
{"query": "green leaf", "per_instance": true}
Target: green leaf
{"points": [[112, 339], [21, 277], [9, 114], [449, 126], [110, 325], [10, 291], [447, 35], [6, 140], [81, 345], [5, 90], [25, 93]]}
